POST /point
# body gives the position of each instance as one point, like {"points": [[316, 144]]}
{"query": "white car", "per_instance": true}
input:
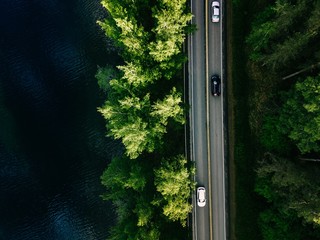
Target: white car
{"points": [[215, 11], [201, 196]]}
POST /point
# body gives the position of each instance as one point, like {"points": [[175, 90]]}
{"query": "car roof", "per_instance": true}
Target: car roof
{"points": [[202, 194]]}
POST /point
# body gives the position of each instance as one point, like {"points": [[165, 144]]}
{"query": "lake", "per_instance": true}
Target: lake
{"points": [[53, 148]]}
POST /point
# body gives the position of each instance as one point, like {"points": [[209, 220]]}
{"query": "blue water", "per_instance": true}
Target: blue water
{"points": [[53, 147]]}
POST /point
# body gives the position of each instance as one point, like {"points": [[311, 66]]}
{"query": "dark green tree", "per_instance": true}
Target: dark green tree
{"points": [[300, 115], [273, 139], [275, 225], [290, 187], [281, 33], [126, 181], [122, 176], [104, 75]]}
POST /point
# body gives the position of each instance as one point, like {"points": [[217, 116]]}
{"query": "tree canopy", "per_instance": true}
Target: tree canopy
{"points": [[143, 105], [134, 114], [173, 181], [281, 33], [284, 55], [290, 187], [300, 115]]}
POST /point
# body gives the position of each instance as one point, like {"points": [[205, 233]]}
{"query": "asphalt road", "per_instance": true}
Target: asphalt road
{"points": [[206, 123], [216, 138]]}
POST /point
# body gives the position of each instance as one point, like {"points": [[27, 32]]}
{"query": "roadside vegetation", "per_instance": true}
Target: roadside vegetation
{"points": [[282, 139], [150, 184]]}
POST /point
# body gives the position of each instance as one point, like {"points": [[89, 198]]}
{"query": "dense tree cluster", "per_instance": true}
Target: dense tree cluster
{"points": [[292, 192], [144, 207], [300, 115], [135, 114], [286, 33], [285, 39], [150, 189], [173, 181], [290, 187]]}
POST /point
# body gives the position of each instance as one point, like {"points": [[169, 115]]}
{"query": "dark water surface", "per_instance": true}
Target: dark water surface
{"points": [[52, 140]]}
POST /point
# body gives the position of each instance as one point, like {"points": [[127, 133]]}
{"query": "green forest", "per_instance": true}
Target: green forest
{"points": [[276, 86], [282, 67], [150, 184]]}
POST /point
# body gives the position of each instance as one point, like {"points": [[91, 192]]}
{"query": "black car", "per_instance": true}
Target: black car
{"points": [[215, 85]]}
